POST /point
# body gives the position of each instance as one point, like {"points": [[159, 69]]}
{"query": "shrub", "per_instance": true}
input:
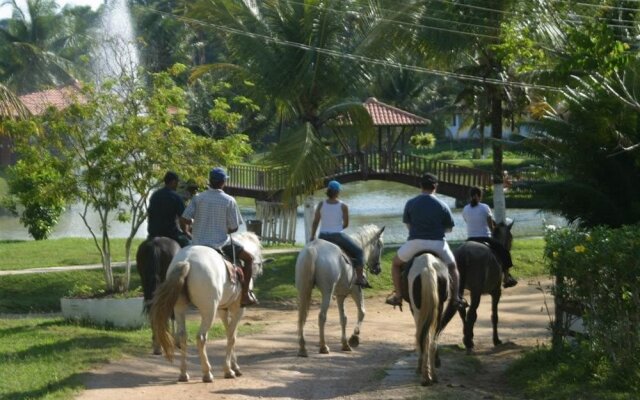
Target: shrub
{"points": [[600, 270]]}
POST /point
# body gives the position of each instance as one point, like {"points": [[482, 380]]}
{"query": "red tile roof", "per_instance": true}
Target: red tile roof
{"points": [[60, 98], [385, 115]]}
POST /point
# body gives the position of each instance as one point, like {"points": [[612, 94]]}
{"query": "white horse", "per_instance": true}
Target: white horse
{"points": [[428, 289], [322, 264], [198, 275]]}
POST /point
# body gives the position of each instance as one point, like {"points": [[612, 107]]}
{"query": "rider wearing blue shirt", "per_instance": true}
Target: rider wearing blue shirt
{"points": [[428, 219]]}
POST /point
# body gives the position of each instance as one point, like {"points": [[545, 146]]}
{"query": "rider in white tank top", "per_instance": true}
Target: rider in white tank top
{"points": [[331, 219]]}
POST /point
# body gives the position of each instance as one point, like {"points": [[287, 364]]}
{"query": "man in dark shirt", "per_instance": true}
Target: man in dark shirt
{"points": [[165, 208], [428, 219]]}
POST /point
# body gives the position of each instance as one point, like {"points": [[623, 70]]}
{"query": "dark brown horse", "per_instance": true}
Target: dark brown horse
{"points": [[481, 273], [152, 261]]}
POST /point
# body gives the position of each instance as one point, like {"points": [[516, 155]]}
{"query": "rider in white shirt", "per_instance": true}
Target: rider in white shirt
{"points": [[480, 224]]}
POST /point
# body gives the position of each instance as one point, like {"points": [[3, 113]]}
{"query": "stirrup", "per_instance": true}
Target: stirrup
{"points": [[363, 283], [394, 300], [510, 281], [251, 300]]}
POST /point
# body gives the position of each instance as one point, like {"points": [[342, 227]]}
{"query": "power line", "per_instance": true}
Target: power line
{"points": [[354, 57]]}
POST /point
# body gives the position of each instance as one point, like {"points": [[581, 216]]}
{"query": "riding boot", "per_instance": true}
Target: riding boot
{"points": [[509, 280], [458, 301], [395, 298], [248, 298], [361, 280]]}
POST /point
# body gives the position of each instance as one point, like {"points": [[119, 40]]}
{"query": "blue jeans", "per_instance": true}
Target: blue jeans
{"points": [[347, 243]]}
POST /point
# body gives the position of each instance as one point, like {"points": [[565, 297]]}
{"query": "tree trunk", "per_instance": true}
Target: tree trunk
{"points": [[309, 211], [127, 277], [499, 203]]}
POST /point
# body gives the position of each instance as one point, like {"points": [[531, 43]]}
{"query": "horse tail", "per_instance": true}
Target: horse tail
{"points": [[305, 278], [145, 265], [164, 300], [427, 322]]}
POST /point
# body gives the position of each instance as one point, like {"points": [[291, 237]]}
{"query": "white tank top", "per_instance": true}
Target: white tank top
{"points": [[331, 217]]}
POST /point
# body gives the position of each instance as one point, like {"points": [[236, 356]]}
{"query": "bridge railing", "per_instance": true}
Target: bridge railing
{"points": [[271, 179]]}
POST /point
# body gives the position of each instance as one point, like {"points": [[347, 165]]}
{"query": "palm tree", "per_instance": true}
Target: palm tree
{"points": [[35, 46], [462, 38], [10, 106], [293, 51]]}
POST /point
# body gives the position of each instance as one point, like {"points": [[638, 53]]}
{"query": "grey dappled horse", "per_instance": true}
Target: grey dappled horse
{"points": [[323, 265], [152, 261], [199, 276], [481, 273], [428, 286]]}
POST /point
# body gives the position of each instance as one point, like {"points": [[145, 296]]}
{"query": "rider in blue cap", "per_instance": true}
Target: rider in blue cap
{"points": [[214, 215], [333, 217]]}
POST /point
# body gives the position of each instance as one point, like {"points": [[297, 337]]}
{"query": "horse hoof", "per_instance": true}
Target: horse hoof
{"points": [[354, 341], [469, 351], [237, 372], [208, 378], [302, 353], [427, 382], [346, 347], [183, 378], [497, 342], [229, 375], [157, 352], [324, 350]]}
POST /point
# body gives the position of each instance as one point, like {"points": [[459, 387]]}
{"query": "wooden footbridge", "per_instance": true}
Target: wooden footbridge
{"points": [[268, 184]]}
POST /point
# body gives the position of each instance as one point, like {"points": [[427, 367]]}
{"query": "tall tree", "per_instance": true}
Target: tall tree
{"points": [[108, 155], [37, 45], [462, 39], [592, 132], [294, 51]]}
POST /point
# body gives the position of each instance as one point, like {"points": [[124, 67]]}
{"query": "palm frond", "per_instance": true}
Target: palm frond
{"points": [[305, 159]]}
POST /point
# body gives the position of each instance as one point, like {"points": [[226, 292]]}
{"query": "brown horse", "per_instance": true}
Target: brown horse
{"points": [[152, 261], [481, 273]]}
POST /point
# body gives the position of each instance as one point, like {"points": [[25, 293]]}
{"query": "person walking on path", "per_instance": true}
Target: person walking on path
{"points": [[480, 225], [332, 215], [428, 219], [165, 209], [213, 215]]}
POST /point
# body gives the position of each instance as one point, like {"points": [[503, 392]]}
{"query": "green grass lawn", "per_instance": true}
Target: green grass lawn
{"points": [[24, 254]]}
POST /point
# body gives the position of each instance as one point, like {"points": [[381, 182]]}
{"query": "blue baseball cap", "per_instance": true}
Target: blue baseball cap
{"points": [[217, 175], [334, 185]]}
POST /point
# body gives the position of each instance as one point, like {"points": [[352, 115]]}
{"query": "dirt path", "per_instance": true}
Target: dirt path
{"points": [[381, 368]]}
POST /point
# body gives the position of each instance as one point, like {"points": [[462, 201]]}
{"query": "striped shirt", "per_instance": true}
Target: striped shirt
{"points": [[214, 215]]}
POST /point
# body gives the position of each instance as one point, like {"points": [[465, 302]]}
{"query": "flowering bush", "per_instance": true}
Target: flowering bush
{"points": [[600, 270]]}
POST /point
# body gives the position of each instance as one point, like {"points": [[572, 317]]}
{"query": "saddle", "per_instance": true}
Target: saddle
{"points": [[234, 272]]}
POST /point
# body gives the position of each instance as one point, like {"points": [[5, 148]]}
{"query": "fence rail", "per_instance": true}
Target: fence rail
{"points": [[363, 165]]}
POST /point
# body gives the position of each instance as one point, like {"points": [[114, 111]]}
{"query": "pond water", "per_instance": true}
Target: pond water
{"points": [[376, 202]]}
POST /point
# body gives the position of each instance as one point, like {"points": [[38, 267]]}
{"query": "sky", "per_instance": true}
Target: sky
{"points": [[5, 11]]}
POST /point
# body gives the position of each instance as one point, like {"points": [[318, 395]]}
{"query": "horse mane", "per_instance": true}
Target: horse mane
{"points": [[251, 243], [366, 233]]}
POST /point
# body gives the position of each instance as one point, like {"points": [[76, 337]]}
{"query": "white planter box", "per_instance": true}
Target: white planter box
{"points": [[122, 313]]}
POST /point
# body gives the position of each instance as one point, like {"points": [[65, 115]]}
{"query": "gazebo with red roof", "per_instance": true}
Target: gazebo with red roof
{"points": [[387, 119]]}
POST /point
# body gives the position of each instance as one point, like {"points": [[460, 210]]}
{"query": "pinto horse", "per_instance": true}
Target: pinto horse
{"points": [[481, 273], [428, 289], [199, 276], [152, 261], [321, 263]]}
